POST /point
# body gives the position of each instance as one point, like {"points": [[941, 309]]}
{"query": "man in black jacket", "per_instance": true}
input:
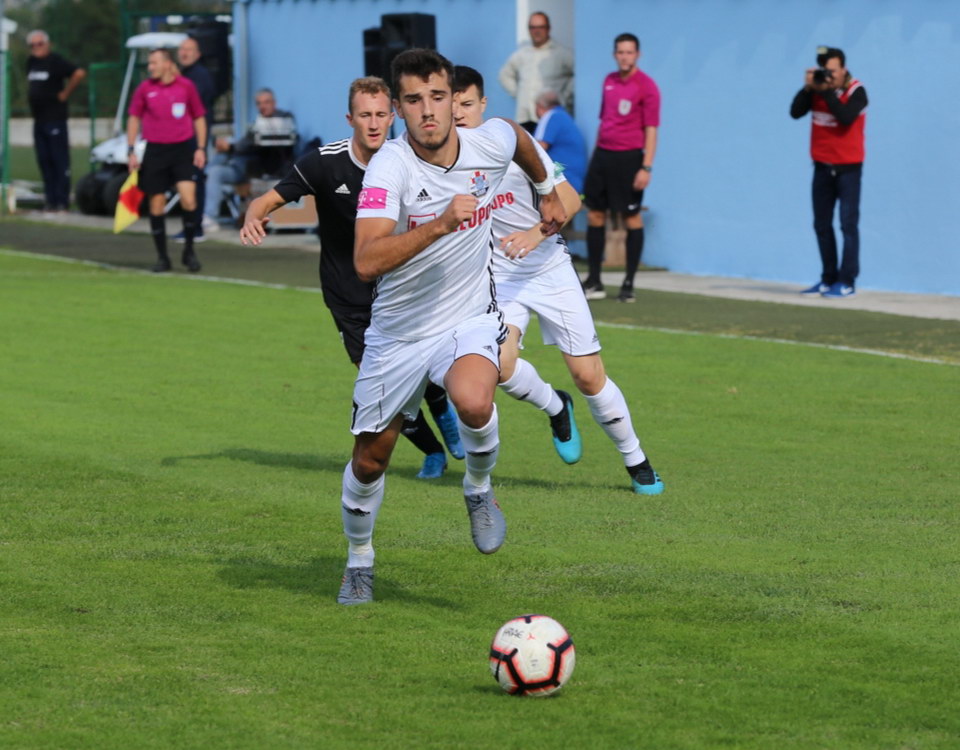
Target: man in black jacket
{"points": [[188, 58]]}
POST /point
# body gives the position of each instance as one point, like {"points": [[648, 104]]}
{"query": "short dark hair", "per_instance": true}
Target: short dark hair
{"points": [[163, 51], [464, 77], [539, 13], [828, 53], [626, 37], [421, 63]]}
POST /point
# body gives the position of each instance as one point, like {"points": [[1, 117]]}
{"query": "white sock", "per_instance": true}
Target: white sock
{"points": [[609, 409], [526, 385], [481, 446], [360, 504]]}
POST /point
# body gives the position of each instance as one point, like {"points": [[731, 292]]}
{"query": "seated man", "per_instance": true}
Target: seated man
{"points": [[266, 151], [560, 137]]}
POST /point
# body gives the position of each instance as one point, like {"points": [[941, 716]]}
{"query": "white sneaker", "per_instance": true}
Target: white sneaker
{"points": [[210, 225]]}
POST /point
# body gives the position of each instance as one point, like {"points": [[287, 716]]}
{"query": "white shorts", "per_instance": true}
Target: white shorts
{"points": [[393, 374], [556, 296]]}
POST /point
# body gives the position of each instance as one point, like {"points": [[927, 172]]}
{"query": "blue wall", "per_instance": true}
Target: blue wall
{"points": [[308, 51], [730, 194]]}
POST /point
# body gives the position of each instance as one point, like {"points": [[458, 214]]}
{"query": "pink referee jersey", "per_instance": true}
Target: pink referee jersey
{"points": [[167, 111], [627, 108]]}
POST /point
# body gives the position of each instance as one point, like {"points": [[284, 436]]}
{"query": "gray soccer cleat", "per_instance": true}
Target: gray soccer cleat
{"points": [[357, 586], [487, 524]]}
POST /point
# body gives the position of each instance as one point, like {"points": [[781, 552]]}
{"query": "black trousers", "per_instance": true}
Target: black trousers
{"points": [[834, 183], [52, 145]]}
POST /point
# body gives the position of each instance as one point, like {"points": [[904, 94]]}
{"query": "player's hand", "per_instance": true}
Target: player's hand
{"points": [[222, 144], [62, 96], [199, 158], [254, 230], [459, 210], [808, 78], [520, 244], [640, 180], [552, 212], [133, 163]]}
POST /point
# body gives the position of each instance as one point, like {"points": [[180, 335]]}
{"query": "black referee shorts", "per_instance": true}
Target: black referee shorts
{"points": [[166, 164], [609, 182], [352, 322]]}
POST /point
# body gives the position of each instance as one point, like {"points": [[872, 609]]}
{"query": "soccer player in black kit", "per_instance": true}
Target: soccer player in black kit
{"points": [[333, 174]]}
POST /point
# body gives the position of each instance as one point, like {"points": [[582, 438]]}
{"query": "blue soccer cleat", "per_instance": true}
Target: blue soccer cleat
{"points": [[566, 436], [434, 464], [644, 479], [449, 428]]}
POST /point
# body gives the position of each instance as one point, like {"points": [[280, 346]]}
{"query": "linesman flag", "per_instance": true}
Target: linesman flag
{"points": [[128, 204]]}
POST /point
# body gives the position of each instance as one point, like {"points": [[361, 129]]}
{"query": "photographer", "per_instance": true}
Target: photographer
{"points": [[838, 102]]}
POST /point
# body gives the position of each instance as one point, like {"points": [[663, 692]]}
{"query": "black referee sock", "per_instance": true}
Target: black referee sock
{"points": [[418, 432], [634, 251], [158, 228], [596, 239], [189, 230], [436, 399]]}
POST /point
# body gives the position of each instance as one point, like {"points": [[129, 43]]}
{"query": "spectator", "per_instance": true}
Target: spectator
{"points": [[620, 169], [561, 139], [266, 151], [188, 57], [839, 102], [542, 64], [174, 127], [51, 79]]}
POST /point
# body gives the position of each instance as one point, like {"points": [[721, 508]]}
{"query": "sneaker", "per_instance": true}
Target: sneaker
{"points": [[566, 436], [162, 265], [488, 527], [626, 294], [209, 224], [197, 236], [818, 288], [356, 587], [449, 428], [434, 464], [644, 479], [839, 290], [594, 290], [191, 261]]}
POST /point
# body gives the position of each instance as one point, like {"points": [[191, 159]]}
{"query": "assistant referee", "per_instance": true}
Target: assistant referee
{"points": [[174, 127]]}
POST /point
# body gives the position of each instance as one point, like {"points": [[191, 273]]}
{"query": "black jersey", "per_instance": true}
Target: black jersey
{"points": [[334, 177]]}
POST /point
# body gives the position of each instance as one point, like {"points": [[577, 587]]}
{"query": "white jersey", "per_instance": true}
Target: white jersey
{"points": [[451, 280], [517, 210]]}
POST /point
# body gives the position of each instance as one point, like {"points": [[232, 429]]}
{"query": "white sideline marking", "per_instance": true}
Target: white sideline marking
{"points": [[598, 323]]}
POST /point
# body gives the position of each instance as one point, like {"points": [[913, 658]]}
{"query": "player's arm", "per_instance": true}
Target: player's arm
{"points": [[255, 221], [519, 244], [527, 158], [642, 178], [133, 130], [200, 153], [376, 250], [76, 78]]}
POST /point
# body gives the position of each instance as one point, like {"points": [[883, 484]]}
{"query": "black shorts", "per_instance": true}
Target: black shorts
{"points": [[609, 182], [352, 322], [166, 164]]}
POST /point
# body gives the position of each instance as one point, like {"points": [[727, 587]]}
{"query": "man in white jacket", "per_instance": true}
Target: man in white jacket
{"points": [[542, 64]]}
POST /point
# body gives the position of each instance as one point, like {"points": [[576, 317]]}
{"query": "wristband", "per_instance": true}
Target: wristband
{"points": [[130, 150], [646, 168], [545, 187]]}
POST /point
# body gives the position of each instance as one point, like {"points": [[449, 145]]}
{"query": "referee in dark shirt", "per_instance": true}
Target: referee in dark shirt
{"points": [[334, 175], [50, 81]]}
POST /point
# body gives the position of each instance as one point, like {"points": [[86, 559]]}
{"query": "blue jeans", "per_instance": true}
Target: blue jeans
{"points": [[53, 157], [830, 184], [221, 171]]}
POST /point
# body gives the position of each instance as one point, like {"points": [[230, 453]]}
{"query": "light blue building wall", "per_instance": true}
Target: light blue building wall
{"points": [[730, 194]]}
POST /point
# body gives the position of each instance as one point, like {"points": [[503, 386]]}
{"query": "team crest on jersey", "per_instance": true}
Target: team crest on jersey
{"points": [[624, 107], [479, 184], [179, 109]]}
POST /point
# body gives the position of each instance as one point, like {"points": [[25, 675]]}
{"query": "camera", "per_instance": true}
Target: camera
{"points": [[821, 75]]}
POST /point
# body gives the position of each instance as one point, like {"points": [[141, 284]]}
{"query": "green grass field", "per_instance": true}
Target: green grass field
{"points": [[23, 163], [170, 465]]}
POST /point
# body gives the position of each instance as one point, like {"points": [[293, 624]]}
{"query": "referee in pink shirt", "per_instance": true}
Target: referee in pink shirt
{"points": [[169, 109], [620, 169]]}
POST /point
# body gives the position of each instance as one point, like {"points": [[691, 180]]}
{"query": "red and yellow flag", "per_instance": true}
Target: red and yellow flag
{"points": [[128, 204]]}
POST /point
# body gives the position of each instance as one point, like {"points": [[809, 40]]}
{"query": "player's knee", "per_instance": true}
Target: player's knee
{"points": [[475, 412], [369, 467]]}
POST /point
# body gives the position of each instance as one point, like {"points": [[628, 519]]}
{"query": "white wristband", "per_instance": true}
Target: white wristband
{"points": [[545, 187]]}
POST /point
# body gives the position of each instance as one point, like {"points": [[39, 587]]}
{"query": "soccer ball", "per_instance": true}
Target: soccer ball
{"points": [[532, 655]]}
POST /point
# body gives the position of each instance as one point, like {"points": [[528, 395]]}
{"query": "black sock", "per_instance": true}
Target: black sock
{"points": [[436, 399], [596, 239], [634, 251], [418, 432], [158, 228], [189, 230]]}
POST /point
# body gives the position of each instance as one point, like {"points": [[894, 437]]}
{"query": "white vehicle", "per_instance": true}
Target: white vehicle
{"points": [[97, 191]]}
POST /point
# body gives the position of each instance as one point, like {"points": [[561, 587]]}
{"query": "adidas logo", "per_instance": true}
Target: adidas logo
{"points": [[424, 195], [342, 190]]}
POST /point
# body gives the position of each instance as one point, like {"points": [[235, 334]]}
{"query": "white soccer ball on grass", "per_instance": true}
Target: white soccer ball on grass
{"points": [[532, 655]]}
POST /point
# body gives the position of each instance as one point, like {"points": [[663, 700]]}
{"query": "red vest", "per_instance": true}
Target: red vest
{"points": [[831, 142]]}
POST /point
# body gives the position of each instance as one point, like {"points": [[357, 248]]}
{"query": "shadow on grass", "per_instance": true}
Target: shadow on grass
{"points": [[319, 577]]}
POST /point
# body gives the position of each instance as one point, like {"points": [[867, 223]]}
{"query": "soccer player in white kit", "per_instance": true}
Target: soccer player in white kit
{"points": [[533, 273], [423, 233]]}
